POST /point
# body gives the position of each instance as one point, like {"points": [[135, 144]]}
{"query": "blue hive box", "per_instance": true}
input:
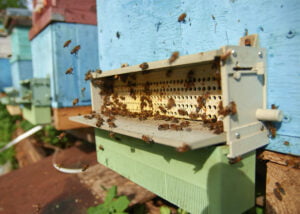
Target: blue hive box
{"points": [[51, 59], [5, 74]]}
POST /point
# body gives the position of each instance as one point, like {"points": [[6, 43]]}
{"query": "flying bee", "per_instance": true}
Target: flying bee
{"points": [[273, 106], [147, 139], [75, 49], [163, 127], [162, 109], [173, 57], [75, 101], [182, 17], [61, 135], [144, 66], [66, 44], [69, 71], [171, 103], [183, 148], [182, 112], [100, 147]]}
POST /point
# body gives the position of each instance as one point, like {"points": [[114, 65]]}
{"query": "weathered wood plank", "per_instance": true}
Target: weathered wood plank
{"points": [[61, 117], [283, 189]]}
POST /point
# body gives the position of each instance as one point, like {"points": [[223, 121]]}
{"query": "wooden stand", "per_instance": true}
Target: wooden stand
{"points": [[61, 117], [283, 184], [13, 110]]}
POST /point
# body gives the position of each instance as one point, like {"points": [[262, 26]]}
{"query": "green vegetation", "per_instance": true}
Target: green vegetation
{"points": [[7, 127], [12, 3], [113, 204]]}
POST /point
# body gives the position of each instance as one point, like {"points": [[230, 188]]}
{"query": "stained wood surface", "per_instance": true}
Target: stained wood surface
{"points": [[61, 117], [282, 159], [13, 110], [283, 189], [83, 12]]}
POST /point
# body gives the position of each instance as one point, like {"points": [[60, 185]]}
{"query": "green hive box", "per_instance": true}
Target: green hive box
{"points": [[20, 44], [35, 97], [199, 181]]}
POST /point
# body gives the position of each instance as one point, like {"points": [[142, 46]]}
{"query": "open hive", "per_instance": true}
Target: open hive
{"points": [[186, 102]]}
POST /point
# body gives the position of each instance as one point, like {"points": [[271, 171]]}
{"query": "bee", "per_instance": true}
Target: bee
{"points": [[173, 57], [85, 167], [218, 127], [286, 143], [79, 114], [122, 97], [111, 124], [99, 122], [213, 17], [162, 109], [83, 89], [132, 93], [99, 71], [75, 49], [182, 17], [112, 135], [247, 42], [185, 124], [144, 66], [183, 148], [194, 116], [280, 188], [69, 71], [66, 44], [88, 116], [273, 106], [88, 75], [146, 138], [277, 194], [118, 34], [272, 129], [175, 127], [100, 147], [163, 127], [124, 65], [171, 103], [61, 135], [228, 110], [235, 160], [75, 101], [182, 112], [225, 56]]}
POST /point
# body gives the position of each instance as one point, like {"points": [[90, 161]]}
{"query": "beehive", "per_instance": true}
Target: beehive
{"points": [[210, 90], [53, 60], [5, 74], [35, 97]]}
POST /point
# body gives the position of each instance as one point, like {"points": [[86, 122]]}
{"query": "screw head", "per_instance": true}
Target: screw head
{"points": [[260, 54], [237, 135], [234, 53]]}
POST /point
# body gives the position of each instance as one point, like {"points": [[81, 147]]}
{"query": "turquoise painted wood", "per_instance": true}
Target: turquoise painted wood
{"points": [[200, 181], [5, 74], [137, 31], [20, 43], [51, 59], [21, 70]]}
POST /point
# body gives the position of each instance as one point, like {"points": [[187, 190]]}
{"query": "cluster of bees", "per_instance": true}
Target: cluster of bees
{"points": [[113, 103]]}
